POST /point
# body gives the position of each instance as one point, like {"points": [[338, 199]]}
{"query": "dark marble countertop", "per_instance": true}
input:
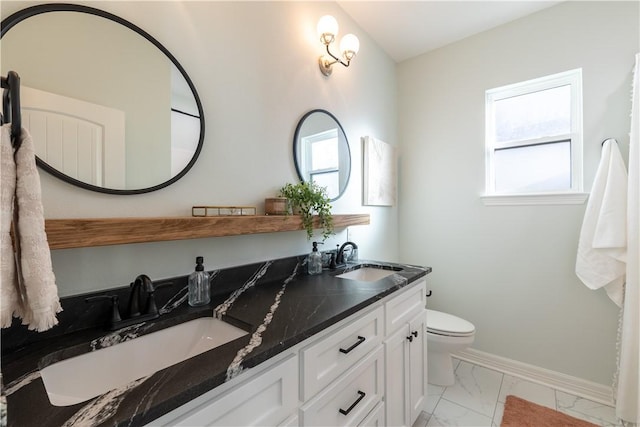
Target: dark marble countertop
{"points": [[300, 306]]}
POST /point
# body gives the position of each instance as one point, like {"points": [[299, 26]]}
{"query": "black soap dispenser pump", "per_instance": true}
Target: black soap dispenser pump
{"points": [[314, 261], [199, 287]]}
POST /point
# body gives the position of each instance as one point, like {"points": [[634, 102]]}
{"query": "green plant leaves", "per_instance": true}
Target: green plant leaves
{"points": [[307, 199]]}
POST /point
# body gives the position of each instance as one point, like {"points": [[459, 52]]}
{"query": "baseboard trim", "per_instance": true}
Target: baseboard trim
{"points": [[556, 380]]}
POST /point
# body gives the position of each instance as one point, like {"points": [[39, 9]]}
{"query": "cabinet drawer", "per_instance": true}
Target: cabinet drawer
{"points": [[267, 399], [349, 400], [401, 309], [325, 360]]}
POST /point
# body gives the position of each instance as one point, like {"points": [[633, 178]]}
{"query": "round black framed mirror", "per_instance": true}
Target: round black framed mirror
{"points": [[321, 152], [109, 108]]}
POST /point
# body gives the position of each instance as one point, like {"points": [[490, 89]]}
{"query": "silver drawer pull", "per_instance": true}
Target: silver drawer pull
{"points": [[360, 341], [353, 405]]}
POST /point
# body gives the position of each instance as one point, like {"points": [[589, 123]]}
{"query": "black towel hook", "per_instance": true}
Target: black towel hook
{"points": [[614, 140], [11, 106]]}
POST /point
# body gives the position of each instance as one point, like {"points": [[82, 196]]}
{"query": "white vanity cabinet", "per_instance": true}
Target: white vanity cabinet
{"points": [[406, 356], [362, 371]]}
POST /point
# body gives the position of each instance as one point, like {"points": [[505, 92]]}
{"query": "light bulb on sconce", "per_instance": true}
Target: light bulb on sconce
{"points": [[349, 45], [327, 29]]}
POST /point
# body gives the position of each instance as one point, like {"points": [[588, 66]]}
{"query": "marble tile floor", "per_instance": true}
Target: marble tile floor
{"points": [[477, 400]]}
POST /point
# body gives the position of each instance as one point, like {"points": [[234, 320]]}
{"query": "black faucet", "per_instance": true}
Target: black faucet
{"points": [[340, 255], [150, 310], [142, 282]]}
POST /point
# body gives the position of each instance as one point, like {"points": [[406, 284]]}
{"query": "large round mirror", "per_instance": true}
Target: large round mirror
{"points": [[321, 152], [108, 107]]}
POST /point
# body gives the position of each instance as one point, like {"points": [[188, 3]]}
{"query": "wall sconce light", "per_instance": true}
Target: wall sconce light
{"points": [[349, 45]]}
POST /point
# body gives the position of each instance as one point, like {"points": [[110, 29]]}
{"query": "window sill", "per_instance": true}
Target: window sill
{"points": [[535, 199]]}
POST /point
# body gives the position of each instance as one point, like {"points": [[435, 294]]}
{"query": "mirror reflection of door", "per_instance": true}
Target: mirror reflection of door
{"points": [[83, 140]]}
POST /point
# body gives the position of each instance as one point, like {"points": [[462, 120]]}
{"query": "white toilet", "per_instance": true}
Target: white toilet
{"points": [[445, 334]]}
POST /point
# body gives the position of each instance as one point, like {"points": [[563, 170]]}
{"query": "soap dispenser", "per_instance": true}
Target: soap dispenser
{"points": [[199, 288], [314, 261]]}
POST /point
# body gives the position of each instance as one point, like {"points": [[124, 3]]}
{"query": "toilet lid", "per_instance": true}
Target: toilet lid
{"points": [[447, 324]]}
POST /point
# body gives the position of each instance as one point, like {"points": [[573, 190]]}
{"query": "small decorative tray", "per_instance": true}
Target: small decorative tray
{"points": [[223, 211]]}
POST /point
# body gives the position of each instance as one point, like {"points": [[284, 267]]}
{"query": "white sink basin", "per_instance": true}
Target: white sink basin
{"points": [[83, 377], [366, 274]]}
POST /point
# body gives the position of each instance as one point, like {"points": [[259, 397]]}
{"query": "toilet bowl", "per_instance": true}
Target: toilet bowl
{"points": [[445, 334]]}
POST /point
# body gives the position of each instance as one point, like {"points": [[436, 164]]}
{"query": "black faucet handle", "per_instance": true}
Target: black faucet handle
{"points": [[150, 288], [115, 310], [151, 307], [164, 284], [332, 262]]}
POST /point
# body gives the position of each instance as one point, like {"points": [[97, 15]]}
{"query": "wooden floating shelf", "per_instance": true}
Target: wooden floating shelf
{"points": [[87, 232]]}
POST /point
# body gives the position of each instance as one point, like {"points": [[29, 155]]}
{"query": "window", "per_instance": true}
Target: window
{"points": [[321, 159], [534, 139]]}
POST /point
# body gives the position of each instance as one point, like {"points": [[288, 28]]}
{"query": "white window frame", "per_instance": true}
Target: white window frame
{"points": [[575, 194], [306, 151]]}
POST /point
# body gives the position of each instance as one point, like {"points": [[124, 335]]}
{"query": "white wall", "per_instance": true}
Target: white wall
{"points": [[510, 270], [255, 67]]}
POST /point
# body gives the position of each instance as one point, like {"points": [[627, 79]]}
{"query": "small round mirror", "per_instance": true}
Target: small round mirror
{"points": [[321, 152]]}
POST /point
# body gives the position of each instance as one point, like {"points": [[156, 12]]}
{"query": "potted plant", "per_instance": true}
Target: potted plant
{"points": [[306, 199]]}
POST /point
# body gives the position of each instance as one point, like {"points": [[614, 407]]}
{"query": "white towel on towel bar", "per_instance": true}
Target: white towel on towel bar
{"points": [[602, 246]]}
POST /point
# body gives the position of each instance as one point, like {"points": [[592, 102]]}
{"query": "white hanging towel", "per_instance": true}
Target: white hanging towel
{"points": [[628, 387], [602, 248], [27, 289]]}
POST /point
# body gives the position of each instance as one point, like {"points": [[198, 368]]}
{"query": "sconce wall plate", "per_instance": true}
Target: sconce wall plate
{"points": [[325, 65]]}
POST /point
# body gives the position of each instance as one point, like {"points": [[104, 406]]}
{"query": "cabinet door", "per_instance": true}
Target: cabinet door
{"points": [[402, 308], [406, 372], [417, 365], [267, 399], [397, 375]]}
